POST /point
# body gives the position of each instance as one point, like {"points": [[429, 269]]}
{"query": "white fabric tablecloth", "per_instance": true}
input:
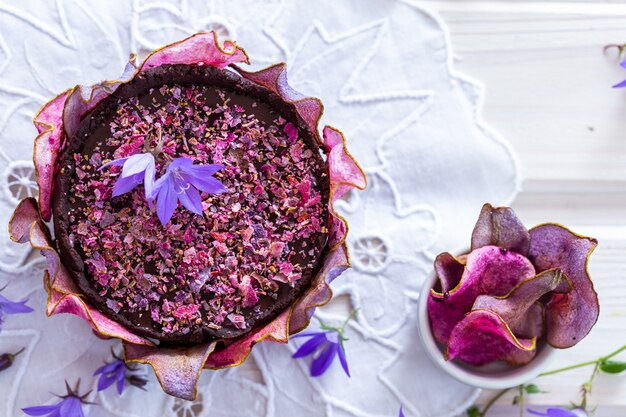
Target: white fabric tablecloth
{"points": [[384, 71]]}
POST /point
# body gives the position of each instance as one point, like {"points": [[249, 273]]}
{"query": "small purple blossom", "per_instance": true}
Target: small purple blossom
{"points": [[560, 412], [118, 372], [623, 83], [136, 169], [12, 307], [71, 405], [114, 372], [401, 412], [327, 345], [183, 182]]}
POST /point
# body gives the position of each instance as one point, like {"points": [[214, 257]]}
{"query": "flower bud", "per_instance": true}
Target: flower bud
{"points": [[137, 381], [6, 359]]}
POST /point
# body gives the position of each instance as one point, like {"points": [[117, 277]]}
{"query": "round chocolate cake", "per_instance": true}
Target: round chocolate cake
{"points": [[217, 275]]}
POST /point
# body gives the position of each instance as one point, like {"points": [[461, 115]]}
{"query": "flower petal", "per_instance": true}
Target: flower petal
{"points": [[309, 333], [177, 369], [105, 381], [554, 412], [201, 171], [149, 181], [105, 369], [489, 270], [518, 307], [190, 198], [136, 164], [121, 382], [201, 48], [569, 317], [483, 337], [310, 346], [209, 185], [167, 201], [323, 362], [343, 360], [71, 407], [124, 185], [115, 162], [620, 84], [41, 410], [14, 307], [500, 227]]}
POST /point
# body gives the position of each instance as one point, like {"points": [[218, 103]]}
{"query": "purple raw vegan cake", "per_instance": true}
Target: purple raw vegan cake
{"points": [[199, 277], [193, 208]]}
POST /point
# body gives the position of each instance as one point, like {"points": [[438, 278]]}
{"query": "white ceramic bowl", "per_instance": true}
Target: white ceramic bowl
{"points": [[493, 376]]}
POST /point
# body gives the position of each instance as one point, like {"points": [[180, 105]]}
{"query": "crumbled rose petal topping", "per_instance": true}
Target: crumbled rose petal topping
{"points": [[199, 270]]}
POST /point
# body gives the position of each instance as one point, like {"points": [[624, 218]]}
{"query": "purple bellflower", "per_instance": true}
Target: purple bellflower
{"points": [[623, 83], [12, 307], [114, 372], [71, 405], [325, 345], [136, 169], [328, 344], [183, 182], [117, 372], [560, 412]]}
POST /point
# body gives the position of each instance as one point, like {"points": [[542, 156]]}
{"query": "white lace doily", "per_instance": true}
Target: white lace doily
{"points": [[383, 69]]}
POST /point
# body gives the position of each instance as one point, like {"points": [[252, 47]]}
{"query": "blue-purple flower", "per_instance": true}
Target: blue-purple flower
{"points": [[326, 345], [623, 83], [114, 372], [183, 182], [560, 412], [117, 372], [136, 169], [71, 405], [12, 307], [401, 412]]}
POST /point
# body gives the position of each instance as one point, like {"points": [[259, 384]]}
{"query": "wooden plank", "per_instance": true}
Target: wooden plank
{"points": [[549, 94]]}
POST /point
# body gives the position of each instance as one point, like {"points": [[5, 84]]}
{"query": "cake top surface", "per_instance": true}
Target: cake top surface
{"points": [[215, 275]]}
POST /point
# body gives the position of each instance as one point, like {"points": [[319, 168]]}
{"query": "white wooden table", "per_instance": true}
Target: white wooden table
{"points": [[548, 92]]}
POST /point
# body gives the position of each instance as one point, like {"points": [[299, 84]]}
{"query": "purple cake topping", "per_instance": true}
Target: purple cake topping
{"points": [[198, 270]]}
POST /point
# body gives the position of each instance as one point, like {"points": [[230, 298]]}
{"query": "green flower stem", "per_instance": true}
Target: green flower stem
{"points": [[586, 387], [583, 364], [493, 401], [340, 330]]}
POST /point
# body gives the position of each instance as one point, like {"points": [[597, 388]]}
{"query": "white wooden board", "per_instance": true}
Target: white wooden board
{"points": [[548, 92]]}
